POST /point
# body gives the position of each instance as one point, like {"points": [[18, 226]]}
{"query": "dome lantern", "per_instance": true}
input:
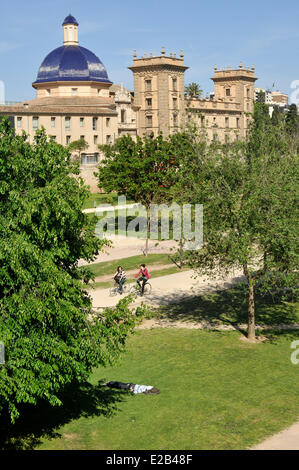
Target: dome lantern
{"points": [[70, 31]]}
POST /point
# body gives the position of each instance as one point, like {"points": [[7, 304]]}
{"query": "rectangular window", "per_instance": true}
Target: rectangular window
{"points": [[81, 121], [174, 84], [74, 91], [48, 92], [89, 159], [226, 122], [227, 91], [108, 139], [68, 139], [149, 121], [148, 102], [175, 102], [82, 137], [53, 138], [95, 124], [19, 122], [248, 92], [148, 85], [35, 122], [175, 120], [67, 123], [123, 115], [202, 119], [238, 123], [107, 122], [53, 119], [95, 140]]}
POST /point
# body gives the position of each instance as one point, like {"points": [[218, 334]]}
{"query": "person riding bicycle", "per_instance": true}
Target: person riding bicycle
{"points": [[120, 278], [144, 277]]}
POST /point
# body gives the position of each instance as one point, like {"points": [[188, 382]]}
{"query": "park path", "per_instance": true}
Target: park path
{"points": [[288, 439], [124, 247], [170, 289]]}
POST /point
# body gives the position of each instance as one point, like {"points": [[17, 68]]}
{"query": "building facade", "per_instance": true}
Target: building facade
{"points": [[76, 100]]}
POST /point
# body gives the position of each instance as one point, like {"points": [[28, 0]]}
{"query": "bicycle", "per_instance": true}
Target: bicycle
{"points": [[136, 288], [114, 290]]}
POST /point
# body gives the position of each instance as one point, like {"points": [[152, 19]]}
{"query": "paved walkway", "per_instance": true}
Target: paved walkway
{"points": [[285, 440], [170, 289]]}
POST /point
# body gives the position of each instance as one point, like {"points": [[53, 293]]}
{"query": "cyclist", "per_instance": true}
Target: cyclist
{"points": [[120, 278], [144, 277]]}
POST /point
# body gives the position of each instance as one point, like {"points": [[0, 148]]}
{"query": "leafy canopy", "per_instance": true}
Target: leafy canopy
{"points": [[50, 337]]}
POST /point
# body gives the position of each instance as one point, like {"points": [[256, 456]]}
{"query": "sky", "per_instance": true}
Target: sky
{"points": [[263, 33]]}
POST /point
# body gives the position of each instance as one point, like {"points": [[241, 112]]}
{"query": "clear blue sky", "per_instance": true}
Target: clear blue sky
{"points": [[260, 32]]}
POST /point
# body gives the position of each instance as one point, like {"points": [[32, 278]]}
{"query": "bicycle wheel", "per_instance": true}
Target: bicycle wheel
{"points": [[113, 291], [147, 288], [126, 289]]}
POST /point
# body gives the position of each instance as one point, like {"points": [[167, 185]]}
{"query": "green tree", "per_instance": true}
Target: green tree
{"points": [[249, 191], [51, 335], [193, 90], [277, 116], [143, 170], [79, 146]]}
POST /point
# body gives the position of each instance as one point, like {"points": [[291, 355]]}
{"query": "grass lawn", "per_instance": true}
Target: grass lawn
{"points": [[133, 262], [217, 392]]}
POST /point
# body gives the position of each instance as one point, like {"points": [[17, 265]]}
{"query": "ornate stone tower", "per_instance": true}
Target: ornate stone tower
{"points": [[236, 86], [159, 92]]}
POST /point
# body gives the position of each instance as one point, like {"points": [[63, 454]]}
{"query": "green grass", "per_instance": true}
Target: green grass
{"points": [[133, 262], [217, 392], [102, 198]]}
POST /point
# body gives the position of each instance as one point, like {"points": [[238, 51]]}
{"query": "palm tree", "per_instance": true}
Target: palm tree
{"points": [[193, 90]]}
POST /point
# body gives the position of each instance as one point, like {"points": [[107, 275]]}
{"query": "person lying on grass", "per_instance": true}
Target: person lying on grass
{"points": [[134, 388]]}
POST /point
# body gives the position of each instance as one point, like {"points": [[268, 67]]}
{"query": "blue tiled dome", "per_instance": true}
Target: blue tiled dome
{"points": [[72, 63], [70, 20]]}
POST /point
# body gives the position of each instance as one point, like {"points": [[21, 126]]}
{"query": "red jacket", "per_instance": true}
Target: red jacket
{"points": [[144, 272]]}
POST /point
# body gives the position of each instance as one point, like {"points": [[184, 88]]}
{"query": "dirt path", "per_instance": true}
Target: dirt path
{"points": [[170, 289]]}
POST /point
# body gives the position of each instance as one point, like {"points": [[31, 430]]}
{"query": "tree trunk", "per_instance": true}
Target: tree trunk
{"points": [[251, 308], [251, 312]]}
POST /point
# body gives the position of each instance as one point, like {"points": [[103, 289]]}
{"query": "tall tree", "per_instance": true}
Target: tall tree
{"points": [[51, 335], [79, 146], [249, 192], [292, 120], [143, 170]]}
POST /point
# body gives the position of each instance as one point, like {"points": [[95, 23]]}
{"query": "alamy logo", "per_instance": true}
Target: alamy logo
{"points": [[2, 92], [295, 354], [294, 97], [158, 221]]}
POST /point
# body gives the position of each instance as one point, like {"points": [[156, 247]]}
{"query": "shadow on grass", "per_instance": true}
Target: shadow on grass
{"points": [[229, 307], [43, 420]]}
